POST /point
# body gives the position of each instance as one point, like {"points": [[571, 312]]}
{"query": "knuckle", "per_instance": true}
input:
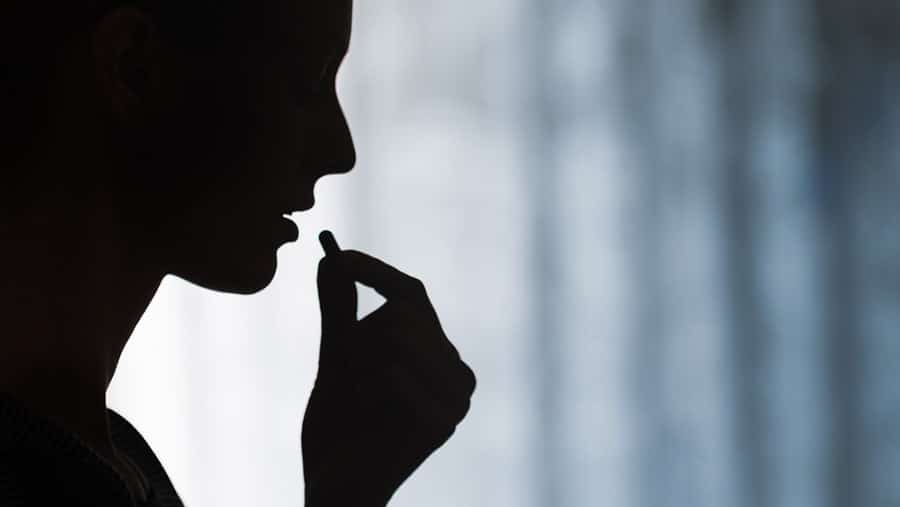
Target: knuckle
{"points": [[447, 432], [326, 263], [465, 405], [417, 286], [471, 381], [395, 315]]}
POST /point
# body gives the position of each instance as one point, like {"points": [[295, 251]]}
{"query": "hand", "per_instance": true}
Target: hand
{"points": [[390, 390]]}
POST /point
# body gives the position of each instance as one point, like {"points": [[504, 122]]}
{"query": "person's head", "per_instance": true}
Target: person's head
{"points": [[209, 120]]}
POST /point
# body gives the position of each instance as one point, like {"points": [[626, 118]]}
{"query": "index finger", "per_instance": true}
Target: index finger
{"points": [[387, 280]]}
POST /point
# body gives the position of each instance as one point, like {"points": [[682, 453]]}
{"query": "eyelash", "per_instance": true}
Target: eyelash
{"points": [[325, 72], [305, 88], [305, 84]]}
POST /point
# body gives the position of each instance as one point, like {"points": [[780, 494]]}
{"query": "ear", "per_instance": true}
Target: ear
{"points": [[126, 54]]}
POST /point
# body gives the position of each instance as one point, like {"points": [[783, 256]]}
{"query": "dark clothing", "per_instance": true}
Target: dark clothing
{"points": [[42, 464]]}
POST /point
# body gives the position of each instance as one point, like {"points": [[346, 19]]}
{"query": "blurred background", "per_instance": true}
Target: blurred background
{"points": [[665, 234]]}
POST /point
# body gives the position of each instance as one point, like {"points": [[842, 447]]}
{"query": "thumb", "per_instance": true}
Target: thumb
{"points": [[337, 298]]}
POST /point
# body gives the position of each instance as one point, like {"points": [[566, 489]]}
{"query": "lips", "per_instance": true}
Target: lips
{"points": [[287, 229], [304, 205]]}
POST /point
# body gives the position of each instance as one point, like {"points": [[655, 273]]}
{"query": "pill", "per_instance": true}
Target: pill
{"points": [[329, 244]]}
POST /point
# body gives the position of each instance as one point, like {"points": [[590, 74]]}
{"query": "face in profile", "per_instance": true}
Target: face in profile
{"points": [[238, 137]]}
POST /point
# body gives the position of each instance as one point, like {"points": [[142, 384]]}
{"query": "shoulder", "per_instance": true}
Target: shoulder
{"points": [[13, 490], [39, 463], [32, 479], [130, 441], [42, 464]]}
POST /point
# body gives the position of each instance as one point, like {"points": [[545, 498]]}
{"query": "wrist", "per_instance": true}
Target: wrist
{"points": [[340, 486], [343, 494]]}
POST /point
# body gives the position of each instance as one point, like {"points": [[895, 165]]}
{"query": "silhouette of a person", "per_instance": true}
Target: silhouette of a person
{"points": [[156, 137]]}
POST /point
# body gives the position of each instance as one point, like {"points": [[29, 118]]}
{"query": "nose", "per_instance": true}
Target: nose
{"points": [[344, 150]]}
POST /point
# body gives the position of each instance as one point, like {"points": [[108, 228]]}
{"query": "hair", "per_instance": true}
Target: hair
{"points": [[32, 38], [33, 33]]}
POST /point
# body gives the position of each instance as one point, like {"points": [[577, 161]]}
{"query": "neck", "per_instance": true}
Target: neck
{"points": [[71, 293]]}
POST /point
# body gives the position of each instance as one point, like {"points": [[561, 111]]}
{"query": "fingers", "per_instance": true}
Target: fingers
{"points": [[397, 337], [387, 280], [397, 341], [329, 243], [337, 298], [397, 394], [338, 272], [404, 335]]}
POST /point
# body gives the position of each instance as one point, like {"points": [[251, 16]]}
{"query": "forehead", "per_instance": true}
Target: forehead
{"points": [[309, 23]]}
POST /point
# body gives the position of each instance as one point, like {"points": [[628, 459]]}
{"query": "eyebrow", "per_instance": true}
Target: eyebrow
{"points": [[341, 48], [344, 37]]}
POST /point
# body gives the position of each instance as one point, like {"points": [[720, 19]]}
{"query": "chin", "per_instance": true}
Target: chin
{"points": [[232, 275]]}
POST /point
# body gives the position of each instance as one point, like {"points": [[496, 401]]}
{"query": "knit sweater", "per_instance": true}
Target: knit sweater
{"points": [[43, 464]]}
